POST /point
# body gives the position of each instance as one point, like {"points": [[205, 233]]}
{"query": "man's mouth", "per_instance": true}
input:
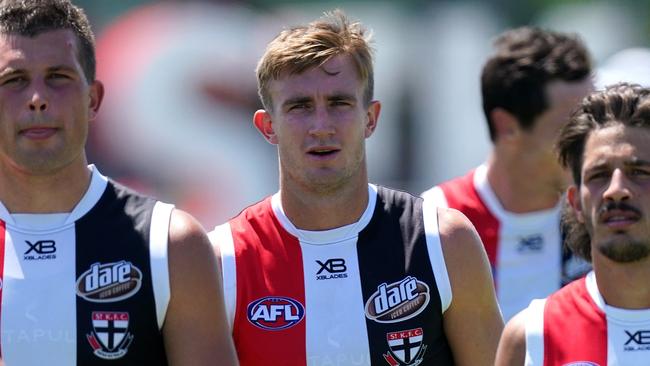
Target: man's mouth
{"points": [[38, 133]]}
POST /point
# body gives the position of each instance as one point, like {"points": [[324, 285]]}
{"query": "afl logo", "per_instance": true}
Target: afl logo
{"points": [[398, 301], [275, 312], [109, 282]]}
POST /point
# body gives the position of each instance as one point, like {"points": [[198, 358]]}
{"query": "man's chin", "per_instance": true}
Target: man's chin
{"points": [[625, 251]]}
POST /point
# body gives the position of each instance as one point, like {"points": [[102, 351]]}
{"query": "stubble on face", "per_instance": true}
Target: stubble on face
{"points": [[622, 248]]}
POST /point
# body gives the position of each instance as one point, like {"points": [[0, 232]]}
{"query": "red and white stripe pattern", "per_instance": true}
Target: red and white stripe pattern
{"points": [[575, 327], [296, 296], [525, 250]]}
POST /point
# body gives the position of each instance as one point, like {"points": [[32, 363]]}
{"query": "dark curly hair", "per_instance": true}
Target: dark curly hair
{"points": [[619, 104]]}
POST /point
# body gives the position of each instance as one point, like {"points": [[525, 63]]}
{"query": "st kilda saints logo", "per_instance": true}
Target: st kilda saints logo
{"points": [[398, 301], [109, 282], [406, 347], [110, 338]]}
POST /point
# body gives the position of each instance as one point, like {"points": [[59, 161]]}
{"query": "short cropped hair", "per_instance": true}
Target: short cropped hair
{"points": [[526, 59], [302, 47], [620, 104], [32, 17]]}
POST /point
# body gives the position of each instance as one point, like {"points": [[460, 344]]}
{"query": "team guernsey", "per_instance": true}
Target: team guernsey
{"points": [[525, 250], [575, 327], [369, 293], [89, 287]]}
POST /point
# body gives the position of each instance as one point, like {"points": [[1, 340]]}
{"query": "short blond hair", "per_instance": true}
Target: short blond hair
{"points": [[302, 47]]}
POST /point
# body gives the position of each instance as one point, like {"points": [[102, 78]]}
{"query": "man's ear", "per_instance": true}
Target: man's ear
{"points": [[372, 117], [573, 196], [264, 124], [96, 92], [506, 126]]}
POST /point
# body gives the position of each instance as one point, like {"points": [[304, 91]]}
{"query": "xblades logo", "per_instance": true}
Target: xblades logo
{"points": [[638, 341], [40, 250], [335, 267]]}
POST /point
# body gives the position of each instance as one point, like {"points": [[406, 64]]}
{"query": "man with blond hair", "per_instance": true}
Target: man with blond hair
{"points": [[332, 269]]}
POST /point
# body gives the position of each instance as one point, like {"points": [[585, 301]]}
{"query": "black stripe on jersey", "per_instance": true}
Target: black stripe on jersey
{"points": [[112, 243], [392, 249]]}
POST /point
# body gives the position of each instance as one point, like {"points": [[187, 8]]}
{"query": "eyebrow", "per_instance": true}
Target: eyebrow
{"points": [[296, 100], [9, 71], [632, 163]]}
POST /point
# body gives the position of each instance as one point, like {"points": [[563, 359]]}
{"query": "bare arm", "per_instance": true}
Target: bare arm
{"points": [[512, 346], [473, 321], [195, 331]]}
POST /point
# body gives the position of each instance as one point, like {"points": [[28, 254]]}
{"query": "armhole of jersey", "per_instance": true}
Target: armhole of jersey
{"points": [[534, 320], [434, 248], [437, 195], [222, 237], [158, 241]]}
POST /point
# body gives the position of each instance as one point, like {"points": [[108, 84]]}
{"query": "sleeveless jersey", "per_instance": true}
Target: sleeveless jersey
{"points": [[574, 327], [525, 250], [369, 293], [90, 291]]}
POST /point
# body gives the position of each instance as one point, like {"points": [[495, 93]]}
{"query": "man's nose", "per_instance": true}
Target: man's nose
{"points": [[618, 188]]}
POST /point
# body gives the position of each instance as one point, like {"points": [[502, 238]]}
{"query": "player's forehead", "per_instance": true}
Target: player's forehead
{"points": [[615, 146], [338, 75], [56, 47]]}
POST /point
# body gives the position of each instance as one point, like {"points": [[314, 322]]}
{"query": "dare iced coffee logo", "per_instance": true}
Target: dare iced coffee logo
{"points": [[109, 282], [398, 301]]}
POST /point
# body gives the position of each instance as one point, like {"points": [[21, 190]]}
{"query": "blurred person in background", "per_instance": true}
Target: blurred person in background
{"points": [[90, 271], [603, 318], [332, 269], [529, 87]]}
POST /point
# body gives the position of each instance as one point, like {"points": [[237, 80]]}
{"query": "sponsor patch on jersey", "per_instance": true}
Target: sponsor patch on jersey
{"points": [[530, 244], [398, 301], [638, 340], [109, 282], [110, 338], [275, 312], [581, 363], [332, 268], [40, 250], [405, 347]]}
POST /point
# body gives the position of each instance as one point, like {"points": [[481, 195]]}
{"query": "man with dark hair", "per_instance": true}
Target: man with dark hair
{"points": [[332, 269], [90, 271], [529, 85], [603, 318]]}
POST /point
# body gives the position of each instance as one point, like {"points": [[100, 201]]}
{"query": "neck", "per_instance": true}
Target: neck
{"points": [[22, 192], [623, 285], [315, 210], [520, 186]]}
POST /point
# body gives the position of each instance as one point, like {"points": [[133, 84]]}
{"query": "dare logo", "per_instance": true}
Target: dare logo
{"points": [[109, 282], [398, 301], [275, 312]]}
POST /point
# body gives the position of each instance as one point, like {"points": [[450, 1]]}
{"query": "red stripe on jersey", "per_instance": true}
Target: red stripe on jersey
{"points": [[461, 195], [2, 268], [262, 243], [575, 329]]}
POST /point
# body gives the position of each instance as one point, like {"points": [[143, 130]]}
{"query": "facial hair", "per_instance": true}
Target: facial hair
{"points": [[623, 249]]}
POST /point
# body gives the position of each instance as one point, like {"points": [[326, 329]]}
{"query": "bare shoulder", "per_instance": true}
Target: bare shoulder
{"points": [[195, 330], [185, 231], [458, 235], [512, 346]]}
